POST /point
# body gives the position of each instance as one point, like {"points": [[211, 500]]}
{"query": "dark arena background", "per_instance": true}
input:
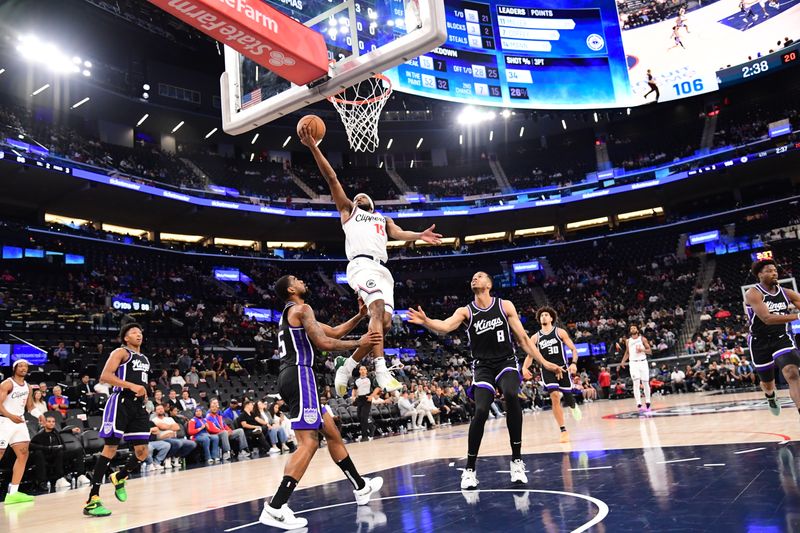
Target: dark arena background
{"points": [[615, 164]]}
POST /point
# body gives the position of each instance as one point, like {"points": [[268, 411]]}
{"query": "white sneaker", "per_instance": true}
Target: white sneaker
{"points": [[373, 485], [176, 463], [210, 462], [243, 454], [341, 381], [282, 518], [63, 484], [387, 381], [274, 450], [469, 479], [217, 460], [518, 472], [83, 480], [226, 456]]}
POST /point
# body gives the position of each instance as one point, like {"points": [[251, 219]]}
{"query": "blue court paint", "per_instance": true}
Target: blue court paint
{"points": [[654, 489]]}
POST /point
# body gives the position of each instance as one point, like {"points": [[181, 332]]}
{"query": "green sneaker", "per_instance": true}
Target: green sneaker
{"points": [[17, 497], [774, 406], [95, 508], [119, 488], [576, 413], [339, 361]]}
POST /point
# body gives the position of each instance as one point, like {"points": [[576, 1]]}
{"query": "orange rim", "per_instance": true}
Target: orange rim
{"points": [[372, 100]]}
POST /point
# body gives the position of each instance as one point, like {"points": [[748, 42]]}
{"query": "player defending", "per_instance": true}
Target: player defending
{"points": [[637, 348], [125, 416], [366, 235], [15, 399], [771, 342], [552, 343], [490, 322], [298, 334]]}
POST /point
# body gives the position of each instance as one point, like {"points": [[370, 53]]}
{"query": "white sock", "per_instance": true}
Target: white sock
{"points": [[12, 489], [646, 391], [350, 365], [380, 365], [637, 393]]}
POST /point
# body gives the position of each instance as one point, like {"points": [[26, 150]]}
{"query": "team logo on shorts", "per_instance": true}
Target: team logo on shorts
{"points": [[107, 427], [370, 283], [3, 444], [310, 415]]}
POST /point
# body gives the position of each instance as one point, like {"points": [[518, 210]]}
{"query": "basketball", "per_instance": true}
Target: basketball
{"points": [[315, 125]]}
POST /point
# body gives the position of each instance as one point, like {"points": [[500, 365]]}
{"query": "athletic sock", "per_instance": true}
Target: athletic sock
{"points": [[351, 473], [380, 365], [12, 489], [563, 428], [516, 451], [471, 460], [99, 474], [132, 465], [285, 490], [350, 364]]}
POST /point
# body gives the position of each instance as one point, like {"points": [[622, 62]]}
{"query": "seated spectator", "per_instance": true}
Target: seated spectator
{"points": [[678, 380], [237, 369], [217, 426], [408, 410], [589, 392], [172, 399], [88, 398], [168, 429], [58, 402], [62, 356], [177, 379], [192, 377], [198, 430], [47, 454], [428, 409], [151, 388], [157, 451], [219, 368], [187, 403], [233, 411], [38, 401], [745, 373], [252, 429], [163, 380], [274, 426], [443, 405]]}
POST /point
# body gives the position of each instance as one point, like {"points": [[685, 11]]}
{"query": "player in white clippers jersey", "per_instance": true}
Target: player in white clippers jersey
{"points": [[15, 399], [637, 348], [366, 233]]}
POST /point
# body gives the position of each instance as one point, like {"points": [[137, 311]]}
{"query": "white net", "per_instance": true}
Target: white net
{"points": [[360, 108]]}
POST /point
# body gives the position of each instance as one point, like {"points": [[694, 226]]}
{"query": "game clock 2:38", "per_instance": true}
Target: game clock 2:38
{"points": [[753, 69]]}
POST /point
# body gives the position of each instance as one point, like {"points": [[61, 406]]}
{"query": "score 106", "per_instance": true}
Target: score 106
{"points": [[688, 87]]}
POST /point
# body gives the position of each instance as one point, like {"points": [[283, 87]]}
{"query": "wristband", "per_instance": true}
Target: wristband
{"points": [[35, 412]]}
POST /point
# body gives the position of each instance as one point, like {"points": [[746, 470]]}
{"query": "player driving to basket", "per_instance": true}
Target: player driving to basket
{"points": [[366, 233]]}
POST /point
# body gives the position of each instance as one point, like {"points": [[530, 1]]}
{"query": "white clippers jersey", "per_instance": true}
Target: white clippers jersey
{"points": [[365, 234], [17, 399], [636, 350]]}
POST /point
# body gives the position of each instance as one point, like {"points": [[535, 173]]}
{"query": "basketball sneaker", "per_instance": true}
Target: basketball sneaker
{"points": [[373, 485], [518, 471], [282, 518], [119, 487], [774, 406], [469, 479], [342, 379], [576, 412], [17, 497], [95, 508]]}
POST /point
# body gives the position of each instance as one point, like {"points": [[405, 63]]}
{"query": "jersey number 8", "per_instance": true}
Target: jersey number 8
{"points": [[501, 336]]}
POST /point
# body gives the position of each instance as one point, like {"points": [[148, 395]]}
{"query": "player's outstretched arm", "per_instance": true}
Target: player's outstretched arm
{"points": [[108, 375], [793, 297], [337, 332], [418, 316], [754, 299], [396, 232], [343, 204], [522, 338], [318, 338]]}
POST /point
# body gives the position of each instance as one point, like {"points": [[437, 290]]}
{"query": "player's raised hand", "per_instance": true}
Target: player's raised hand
{"points": [[370, 339], [430, 236], [305, 136], [363, 310], [417, 316]]}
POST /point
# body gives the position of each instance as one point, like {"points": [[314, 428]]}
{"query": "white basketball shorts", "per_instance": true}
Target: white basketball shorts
{"points": [[371, 281]]}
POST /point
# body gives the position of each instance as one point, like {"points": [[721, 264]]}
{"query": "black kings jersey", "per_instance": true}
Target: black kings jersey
{"points": [[293, 343], [135, 369], [551, 347], [489, 332], [778, 304]]}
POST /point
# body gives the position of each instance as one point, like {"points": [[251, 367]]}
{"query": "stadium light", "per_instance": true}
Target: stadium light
{"points": [[491, 135], [252, 156], [380, 165], [460, 139], [469, 115], [34, 50], [419, 143], [563, 123], [629, 111], [80, 103], [178, 126], [389, 144], [595, 117], [289, 138], [255, 138], [141, 120], [505, 113], [210, 133], [521, 131], [41, 89], [2, 70], [412, 164]]}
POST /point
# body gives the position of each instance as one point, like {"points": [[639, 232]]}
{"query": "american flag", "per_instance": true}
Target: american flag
{"points": [[251, 98]]}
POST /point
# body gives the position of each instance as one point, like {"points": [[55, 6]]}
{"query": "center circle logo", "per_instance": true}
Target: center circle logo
{"points": [[595, 42]]}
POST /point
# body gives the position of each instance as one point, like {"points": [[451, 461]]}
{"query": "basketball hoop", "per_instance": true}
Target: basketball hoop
{"points": [[360, 108]]}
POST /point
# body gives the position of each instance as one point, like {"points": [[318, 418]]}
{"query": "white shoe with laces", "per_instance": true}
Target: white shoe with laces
{"points": [[341, 381], [63, 484], [226, 456], [469, 479], [282, 518], [373, 485], [83, 480], [518, 472]]}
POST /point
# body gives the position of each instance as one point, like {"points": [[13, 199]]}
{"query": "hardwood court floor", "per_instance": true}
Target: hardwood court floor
{"points": [[687, 421]]}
